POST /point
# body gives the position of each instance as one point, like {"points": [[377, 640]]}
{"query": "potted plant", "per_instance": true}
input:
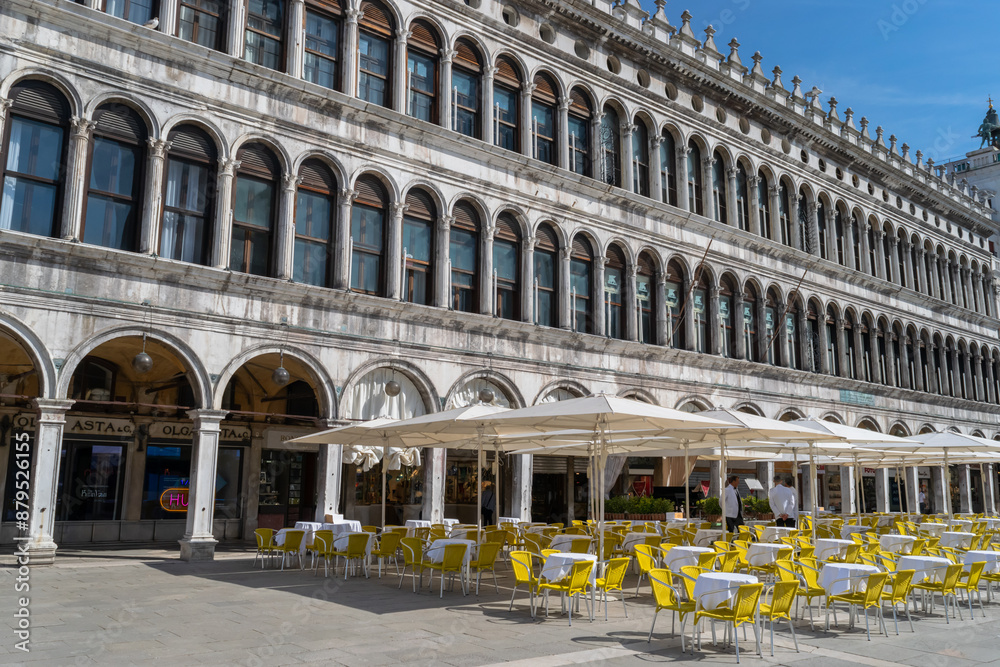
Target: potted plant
{"points": [[710, 508]]}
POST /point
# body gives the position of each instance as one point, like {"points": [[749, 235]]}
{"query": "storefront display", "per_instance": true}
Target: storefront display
{"points": [[166, 481], [90, 483], [287, 490]]}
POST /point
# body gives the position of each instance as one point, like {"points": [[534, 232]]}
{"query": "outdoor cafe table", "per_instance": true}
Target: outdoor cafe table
{"points": [[558, 566], [773, 533], [565, 542], [341, 541], [764, 553], [449, 522], [897, 544], [827, 548], [715, 589], [307, 538], [435, 552], [678, 557], [840, 578], [508, 519], [847, 530], [632, 539], [957, 540], [537, 528], [991, 558], [465, 534], [706, 536], [341, 526], [963, 525], [933, 529], [925, 567]]}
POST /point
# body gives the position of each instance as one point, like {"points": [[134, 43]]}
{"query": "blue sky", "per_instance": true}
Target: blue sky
{"points": [[922, 69]]}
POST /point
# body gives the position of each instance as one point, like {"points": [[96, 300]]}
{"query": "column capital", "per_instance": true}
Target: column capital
{"points": [[732, 173], [528, 87], [290, 181], [627, 128], [4, 105], [445, 222], [529, 243], [565, 253], [488, 232], [752, 182], [773, 190], [403, 34], [352, 14], [447, 55], [81, 126], [490, 72], [682, 152], [52, 409], [228, 166], [398, 210], [654, 142], [713, 292], [347, 195], [564, 104], [894, 240], [158, 147], [707, 162], [205, 419]]}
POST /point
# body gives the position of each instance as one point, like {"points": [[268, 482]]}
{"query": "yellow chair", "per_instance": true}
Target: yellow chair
{"points": [[413, 558], [902, 585], [485, 561], [667, 598], [580, 546], [522, 562], [867, 599], [321, 547], [571, 586], [810, 588], [548, 552], [707, 560], [453, 562], [782, 597], [946, 587], [969, 582], [356, 551], [645, 557], [744, 610], [728, 561], [265, 545], [290, 546], [614, 575], [370, 529], [387, 547]]}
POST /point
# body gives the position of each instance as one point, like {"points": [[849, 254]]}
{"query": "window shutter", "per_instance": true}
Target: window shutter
{"points": [[616, 258], [545, 88], [376, 18], [646, 266], [423, 36], [257, 159], [190, 141], [466, 216], [579, 103], [329, 6], [316, 175], [467, 55], [507, 71], [581, 248], [420, 205], [371, 192], [507, 228], [546, 239], [39, 99], [120, 122]]}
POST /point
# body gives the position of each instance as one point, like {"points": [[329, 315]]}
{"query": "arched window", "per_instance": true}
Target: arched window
{"points": [[742, 199], [254, 207], [543, 119], [614, 288], [838, 230], [763, 205], [640, 159], [580, 119], [914, 262], [134, 11], [189, 199], [748, 322], [611, 169], [117, 162], [506, 106], [645, 303], [546, 262], [833, 343], [887, 253], [791, 334], [322, 47], [901, 257], [315, 219], [771, 315], [719, 186], [784, 214], [851, 347], [418, 246], [881, 342], [696, 203], [34, 151], [856, 241], [867, 350], [668, 169], [375, 34], [422, 72], [464, 254], [824, 250], [203, 22], [265, 32], [507, 267], [928, 268], [803, 221], [368, 232], [872, 248], [699, 310], [581, 278], [675, 299], [727, 319], [466, 84]]}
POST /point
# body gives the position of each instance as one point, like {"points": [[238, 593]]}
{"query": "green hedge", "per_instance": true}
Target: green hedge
{"points": [[638, 505]]}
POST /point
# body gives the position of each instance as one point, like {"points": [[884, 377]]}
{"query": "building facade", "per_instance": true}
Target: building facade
{"points": [[246, 221]]}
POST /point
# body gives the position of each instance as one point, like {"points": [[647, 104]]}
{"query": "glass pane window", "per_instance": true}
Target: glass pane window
{"points": [[579, 145], [265, 21], [465, 101], [726, 325], [322, 39], [579, 272], [640, 160], [252, 214], [202, 22], [613, 302], [611, 148], [749, 331], [185, 211], [505, 264], [90, 482], [543, 131], [674, 301], [505, 100], [254, 202], [136, 11], [463, 253], [111, 215], [31, 181], [644, 302], [373, 69], [770, 324], [545, 286], [313, 214], [417, 240], [700, 311], [367, 224], [422, 71]]}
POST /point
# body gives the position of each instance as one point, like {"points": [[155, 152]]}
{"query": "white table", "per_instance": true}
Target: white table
{"points": [[991, 558], [705, 537], [435, 552], [413, 524], [537, 528], [632, 539], [565, 542], [849, 530], [828, 548], [933, 529], [343, 526], [764, 553], [956, 540], [716, 589], [508, 519], [341, 541], [465, 534], [558, 566], [926, 567], [678, 557], [897, 544], [840, 578], [963, 525], [991, 524], [449, 522], [775, 533]]}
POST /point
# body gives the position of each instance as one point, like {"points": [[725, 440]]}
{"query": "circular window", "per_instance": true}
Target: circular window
{"points": [[510, 16], [614, 65], [959, 231], [899, 202], [937, 221], [885, 196], [744, 126], [804, 156], [643, 78], [786, 146], [697, 103], [720, 115], [671, 90], [871, 189], [765, 136], [925, 216], [822, 165], [856, 181], [840, 174], [547, 33], [582, 50]]}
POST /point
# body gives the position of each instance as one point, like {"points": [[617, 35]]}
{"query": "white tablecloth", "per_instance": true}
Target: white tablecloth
{"points": [[774, 533], [956, 540], [840, 578], [847, 531], [764, 553], [991, 558], [565, 542], [417, 523], [341, 541], [926, 567], [991, 524], [678, 557], [307, 538], [933, 529], [558, 566], [537, 529], [632, 539], [828, 548], [435, 552], [715, 589], [897, 544], [508, 519], [465, 534], [962, 525], [449, 522], [343, 526], [704, 537]]}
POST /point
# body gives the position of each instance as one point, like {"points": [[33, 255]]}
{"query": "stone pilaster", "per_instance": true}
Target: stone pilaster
{"points": [[47, 446], [198, 542]]}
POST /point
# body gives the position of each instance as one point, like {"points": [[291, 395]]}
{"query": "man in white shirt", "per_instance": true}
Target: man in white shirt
{"points": [[782, 501], [734, 504]]}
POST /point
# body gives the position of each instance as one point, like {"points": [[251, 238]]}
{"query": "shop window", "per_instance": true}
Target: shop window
{"points": [[166, 482], [93, 380], [301, 400], [315, 215], [90, 482], [204, 22], [287, 488], [189, 199]]}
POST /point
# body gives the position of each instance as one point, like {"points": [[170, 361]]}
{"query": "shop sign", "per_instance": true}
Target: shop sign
{"points": [[174, 499], [28, 421], [699, 303], [857, 398], [748, 314], [278, 439], [185, 431]]}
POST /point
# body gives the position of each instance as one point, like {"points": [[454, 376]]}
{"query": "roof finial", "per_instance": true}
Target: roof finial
{"points": [[990, 101]]}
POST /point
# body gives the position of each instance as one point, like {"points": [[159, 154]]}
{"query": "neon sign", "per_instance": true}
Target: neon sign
{"points": [[174, 499]]}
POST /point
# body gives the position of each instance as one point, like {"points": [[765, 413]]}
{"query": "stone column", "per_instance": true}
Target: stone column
{"points": [[688, 315], [969, 301], [149, 238], [682, 178], [570, 490], [442, 256], [739, 347], [752, 184], [394, 259], [562, 135], [349, 51], [859, 352], [894, 259], [435, 461], [520, 502], [849, 242], [954, 283], [808, 496], [168, 17], [285, 242], [487, 295], [714, 322], [881, 490], [824, 343], [706, 185], [934, 288], [772, 193], [793, 223], [295, 51], [597, 304], [938, 489], [780, 341], [657, 186], [446, 90], [844, 360], [596, 147], [630, 308], [920, 277], [812, 224], [662, 321], [731, 200], [330, 465], [890, 359], [964, 489], [912, 477], [4, 105], [879, 248], [966, 386], [956, 374], [930, 352], [991, 395], [907, 269], [47, 446], [76, 178], [991, 484], [831, 233], [235, 28], [848, 503], [198, 542], [566, 314], [401, 75], [918, 372], [527, 120], [714, 491], [223, 238], [342, 243], [489, 113], [765, 475], [905, 376], [944, 278], [528, 279], [628, 164], [866, 256]]}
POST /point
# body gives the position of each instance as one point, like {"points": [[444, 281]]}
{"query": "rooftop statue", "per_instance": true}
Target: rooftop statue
{"points": [[989, 131]]}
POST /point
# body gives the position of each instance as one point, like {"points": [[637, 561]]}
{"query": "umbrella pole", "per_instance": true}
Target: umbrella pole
{"points": [[687, 486], [861, 481], [600, 497], [814, 496], [722, 487], [497, 481], [857, 499], [385, 463], [479, 482], [947, 485]]}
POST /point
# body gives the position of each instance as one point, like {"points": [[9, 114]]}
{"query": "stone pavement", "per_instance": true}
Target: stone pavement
{"points": [[144, 606]]}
